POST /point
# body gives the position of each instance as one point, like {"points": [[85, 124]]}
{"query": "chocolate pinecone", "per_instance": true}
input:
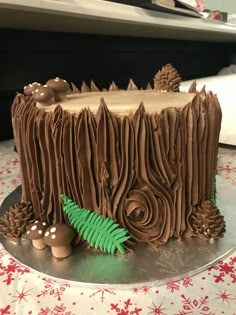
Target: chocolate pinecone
{"points": [[15, 220], [207, 222], [167, 79]]}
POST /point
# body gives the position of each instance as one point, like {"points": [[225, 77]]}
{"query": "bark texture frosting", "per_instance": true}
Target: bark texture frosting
{"points": [[147, 171]]}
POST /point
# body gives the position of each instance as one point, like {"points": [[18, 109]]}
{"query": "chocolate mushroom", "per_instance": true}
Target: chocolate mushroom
{"points": [[43, 95], [59, 237], [35, 232], [60, 88], [28, 89]]}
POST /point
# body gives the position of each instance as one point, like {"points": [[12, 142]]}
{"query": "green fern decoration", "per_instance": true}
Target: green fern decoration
{"points": [[101, 233], [213, 197]]}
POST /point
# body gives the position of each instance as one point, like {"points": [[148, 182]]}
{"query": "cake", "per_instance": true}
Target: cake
{"points": [[145, 158]]}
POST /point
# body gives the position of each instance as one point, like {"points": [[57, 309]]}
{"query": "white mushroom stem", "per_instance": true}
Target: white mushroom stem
{"points": [[39, 243], [62, 251]]}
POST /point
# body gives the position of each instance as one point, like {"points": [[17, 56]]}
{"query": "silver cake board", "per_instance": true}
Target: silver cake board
{"points": [[176, 260]]}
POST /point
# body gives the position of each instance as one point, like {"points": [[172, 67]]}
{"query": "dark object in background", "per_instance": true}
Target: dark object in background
{"points": [[167, 6], [29, 56]]}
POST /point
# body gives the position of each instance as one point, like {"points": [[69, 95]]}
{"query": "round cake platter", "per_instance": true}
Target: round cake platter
{"points": [[176, 260]]}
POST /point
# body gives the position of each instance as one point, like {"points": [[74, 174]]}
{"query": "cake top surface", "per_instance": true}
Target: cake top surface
{"points": [[122, 102]]}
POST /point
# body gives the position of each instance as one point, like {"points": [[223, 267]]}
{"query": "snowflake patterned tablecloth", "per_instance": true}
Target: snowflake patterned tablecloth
{"points": [[24, 291]]}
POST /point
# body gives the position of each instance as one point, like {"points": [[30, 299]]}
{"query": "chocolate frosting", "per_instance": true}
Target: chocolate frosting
{"points": [[15, 220], [167, 79], [207, 222], [147, 171], [132, 85], [93, 87], [113, 87], [84, 87]]}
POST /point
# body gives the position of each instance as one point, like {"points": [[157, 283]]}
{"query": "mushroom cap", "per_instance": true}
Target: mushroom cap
{"points": [[59, 235], [36, 230], [28, 89], [58, 85], [43, 94]]}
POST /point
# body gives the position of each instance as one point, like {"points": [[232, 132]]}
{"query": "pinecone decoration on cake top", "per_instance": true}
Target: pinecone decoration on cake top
{"points": [[15, 220], [167, 79], [207, 222]]}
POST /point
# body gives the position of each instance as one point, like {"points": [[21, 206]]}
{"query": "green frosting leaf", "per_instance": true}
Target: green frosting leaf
{"points": [[101, 233], [213, 197]]}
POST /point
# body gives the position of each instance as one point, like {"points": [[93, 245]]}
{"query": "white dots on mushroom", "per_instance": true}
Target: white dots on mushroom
{"points": [[60, 88], [44, 223], [35, 233], [43, 95], [30, 88], [59, 237], [53, 229]]}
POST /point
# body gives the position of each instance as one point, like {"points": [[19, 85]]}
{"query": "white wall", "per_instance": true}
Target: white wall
{"points": [[222, 5]]}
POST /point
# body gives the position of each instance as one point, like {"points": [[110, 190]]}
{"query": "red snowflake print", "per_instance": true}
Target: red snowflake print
{"points": [[12, 267], [23, 270], [6, 172], [187, 282], [146, 290], [102, 292], [157, 310], [172, 286], [226, 297], [128, 308], [9, 279], [191, 306], [57, 310], [232, 260], [9, 270], [6, 310], [227, 168], [224, 270], [13, 162], [219, 278], [21, 296], [44, 311], [53, 288]]}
